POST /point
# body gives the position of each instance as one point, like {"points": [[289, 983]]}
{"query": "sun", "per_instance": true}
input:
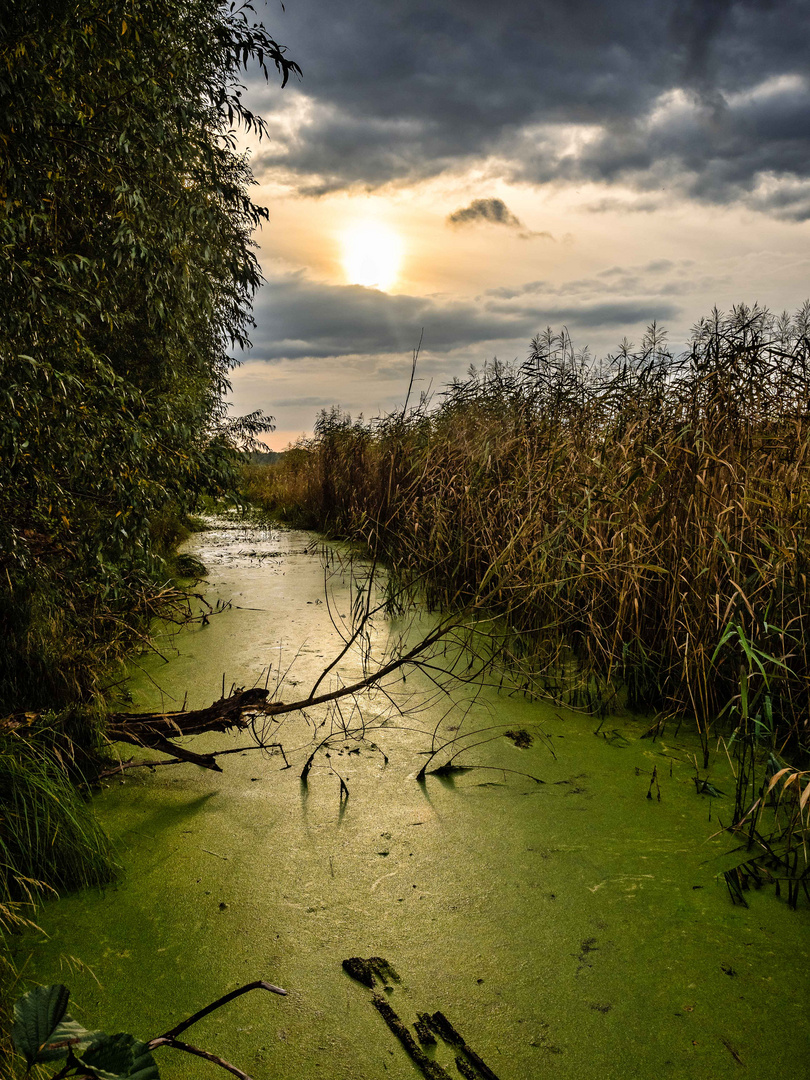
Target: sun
{"points": [[372, 254]]}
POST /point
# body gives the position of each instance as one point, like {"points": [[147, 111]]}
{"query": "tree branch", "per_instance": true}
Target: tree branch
{"points": [[258, 984]]}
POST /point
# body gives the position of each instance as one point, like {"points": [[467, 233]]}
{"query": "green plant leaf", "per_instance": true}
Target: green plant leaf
{"points": [[120, 1057], [36, 1017], [68, 1035]]}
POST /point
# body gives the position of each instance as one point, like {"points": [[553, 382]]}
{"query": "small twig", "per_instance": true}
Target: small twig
{"points": [[448, 770], [414, 362], [732, 1051]]}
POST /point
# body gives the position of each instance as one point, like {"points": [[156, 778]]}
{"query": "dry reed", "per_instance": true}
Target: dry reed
{"points": [[641, 522]]}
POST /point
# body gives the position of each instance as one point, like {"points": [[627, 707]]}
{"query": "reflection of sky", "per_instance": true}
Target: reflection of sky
{"points": [[566, 163]]}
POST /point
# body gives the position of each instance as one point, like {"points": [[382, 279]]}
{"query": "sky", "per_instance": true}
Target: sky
{"points": [[470, 173]]}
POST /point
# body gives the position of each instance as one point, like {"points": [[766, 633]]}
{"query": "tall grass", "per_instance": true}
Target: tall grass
{"points": [[50, 842], [641, 522], [49, 835]]}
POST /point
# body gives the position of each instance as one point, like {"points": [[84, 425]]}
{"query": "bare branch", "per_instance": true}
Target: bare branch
{"points": [[258, 984]]}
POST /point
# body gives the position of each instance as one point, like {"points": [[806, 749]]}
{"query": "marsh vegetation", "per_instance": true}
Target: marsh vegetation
{"points": [[640, 525], [568, 924]]}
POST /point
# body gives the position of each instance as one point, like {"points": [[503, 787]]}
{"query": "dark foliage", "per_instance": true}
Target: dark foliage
{"points": [[126, 274]]}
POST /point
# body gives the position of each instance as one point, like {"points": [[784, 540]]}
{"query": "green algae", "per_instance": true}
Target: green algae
{"points": [[573, 928]]}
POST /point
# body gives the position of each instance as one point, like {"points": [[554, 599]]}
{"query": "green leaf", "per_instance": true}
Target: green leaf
{"points": [[36, 1017], [67, 1036], [120, 1057]]}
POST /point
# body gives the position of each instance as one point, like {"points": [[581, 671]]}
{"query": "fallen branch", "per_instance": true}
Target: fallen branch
{"points": [[184, 1025], [223, 715], [442, 1026], [155, 730], [130, 763], [197, 1052]]}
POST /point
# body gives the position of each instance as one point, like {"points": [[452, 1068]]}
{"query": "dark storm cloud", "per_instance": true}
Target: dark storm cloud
{"points": [[694, 26], [304, 318], [398, 92], [300, 318], [756, 148], [591, 315]]}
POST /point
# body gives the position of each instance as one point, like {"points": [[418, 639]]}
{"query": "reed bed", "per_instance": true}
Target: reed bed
{"points": [[640, 523], [50, 838]]}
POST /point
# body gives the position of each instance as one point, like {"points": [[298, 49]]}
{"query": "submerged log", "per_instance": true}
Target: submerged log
{"points": [[466, 1070], [430, 1069], [365, 970], [442, 1026]]}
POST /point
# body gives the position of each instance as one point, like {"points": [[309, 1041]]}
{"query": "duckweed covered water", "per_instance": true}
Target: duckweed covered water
{"points": [[571, 929]]}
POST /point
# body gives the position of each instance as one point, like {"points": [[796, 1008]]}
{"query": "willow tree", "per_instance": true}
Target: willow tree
{"points": [[127, 269]]}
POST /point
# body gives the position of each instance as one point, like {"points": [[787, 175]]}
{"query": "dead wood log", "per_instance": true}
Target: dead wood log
{"points": [[223, 715], [155, 730], [442, 1026], [430, 1069]]}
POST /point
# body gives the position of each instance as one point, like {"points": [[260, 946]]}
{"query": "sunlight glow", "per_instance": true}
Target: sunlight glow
{"points": [[372, 253]]}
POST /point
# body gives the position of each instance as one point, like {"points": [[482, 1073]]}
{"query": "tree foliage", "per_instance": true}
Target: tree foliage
{"points": [[127, 271]]}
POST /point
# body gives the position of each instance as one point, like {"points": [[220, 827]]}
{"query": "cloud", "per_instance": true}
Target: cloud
{"points": [[298, 318], [308, 402], [496, 212], [592, 315], [651, 280], [493, 210], [704, 98], [640, 205]]}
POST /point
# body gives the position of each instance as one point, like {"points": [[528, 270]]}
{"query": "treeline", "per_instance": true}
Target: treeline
{"points": [[127, 270], [641, 523]]}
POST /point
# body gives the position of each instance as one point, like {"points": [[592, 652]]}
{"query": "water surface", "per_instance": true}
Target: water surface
{"points": [[571, 929]]}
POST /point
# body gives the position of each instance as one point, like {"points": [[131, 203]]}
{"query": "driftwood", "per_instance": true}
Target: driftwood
{"points": [[365, 970], [466, 1070], [442, 1026], [468, 1063], [157, 730]]}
